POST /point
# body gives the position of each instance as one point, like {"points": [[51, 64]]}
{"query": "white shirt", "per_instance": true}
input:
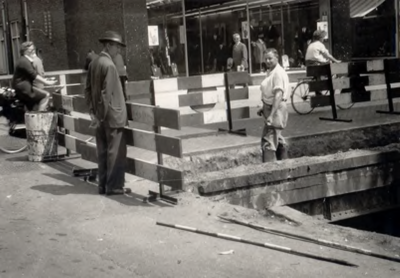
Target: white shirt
{"points": [[316, 51], [276, 80]]}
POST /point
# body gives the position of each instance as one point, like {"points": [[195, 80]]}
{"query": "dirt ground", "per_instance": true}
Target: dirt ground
{"points": [[54, 225]]}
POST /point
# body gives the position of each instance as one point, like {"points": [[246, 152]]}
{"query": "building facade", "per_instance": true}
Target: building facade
{"points": [[190, 37]]}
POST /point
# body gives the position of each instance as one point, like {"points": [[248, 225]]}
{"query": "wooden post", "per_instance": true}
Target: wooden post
{"points": [[386, 68], [332, 102]]}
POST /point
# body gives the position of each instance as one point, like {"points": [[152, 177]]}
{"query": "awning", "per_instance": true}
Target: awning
{"points": [[360, 8]]}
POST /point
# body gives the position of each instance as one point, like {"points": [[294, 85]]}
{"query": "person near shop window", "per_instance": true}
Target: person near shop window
{"points": [[317, 54], [273, 36], [34, 98], [274, 93], [213, 53], [239, 54], [303, 38], [259, 53], [222, 57]]}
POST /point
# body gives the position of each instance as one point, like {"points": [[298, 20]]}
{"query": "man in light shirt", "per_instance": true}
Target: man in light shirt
{"points": [[317, 53]]}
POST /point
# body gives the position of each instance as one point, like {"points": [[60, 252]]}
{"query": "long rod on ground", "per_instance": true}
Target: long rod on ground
{"points": [[313, 240], [265, 245]]}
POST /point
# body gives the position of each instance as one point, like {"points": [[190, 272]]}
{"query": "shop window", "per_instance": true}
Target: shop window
{"points": [[287, 28], [374, 28], [167, 38], [3, 53]]}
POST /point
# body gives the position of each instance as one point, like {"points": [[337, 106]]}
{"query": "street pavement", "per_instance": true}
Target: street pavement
{"points": [[55, 225]]}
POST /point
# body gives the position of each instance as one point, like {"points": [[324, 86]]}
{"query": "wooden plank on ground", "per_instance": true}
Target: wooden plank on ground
{"points": [[137, 167], [237, 78], [137, 138]]}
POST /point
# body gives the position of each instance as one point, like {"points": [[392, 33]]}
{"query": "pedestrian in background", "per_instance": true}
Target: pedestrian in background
{"points": [[91, 55], [274, 93], [239, 54], [121, 68], [105, 98]]}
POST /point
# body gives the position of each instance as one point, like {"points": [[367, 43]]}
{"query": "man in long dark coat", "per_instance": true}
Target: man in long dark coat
{"points": [[105, 98]]}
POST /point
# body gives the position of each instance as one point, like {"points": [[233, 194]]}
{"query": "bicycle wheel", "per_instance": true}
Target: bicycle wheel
{"points": [[300, 99], [12, 138]]}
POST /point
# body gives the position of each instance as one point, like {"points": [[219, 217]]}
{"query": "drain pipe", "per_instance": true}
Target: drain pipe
{"points": [[25, 16]]}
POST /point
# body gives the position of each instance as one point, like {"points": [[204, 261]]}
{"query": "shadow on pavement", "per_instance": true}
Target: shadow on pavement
{"points": [[78, 186]]}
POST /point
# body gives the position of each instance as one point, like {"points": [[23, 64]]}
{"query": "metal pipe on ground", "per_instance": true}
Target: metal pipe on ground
{"points": [[312, 240], [260, 244]]}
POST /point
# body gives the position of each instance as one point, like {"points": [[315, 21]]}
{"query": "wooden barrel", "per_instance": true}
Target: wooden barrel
{"points": [[41, 135]]}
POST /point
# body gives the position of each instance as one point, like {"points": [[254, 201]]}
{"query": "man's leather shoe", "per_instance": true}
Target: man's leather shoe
{"points": [[118, 191], [102, 190]]}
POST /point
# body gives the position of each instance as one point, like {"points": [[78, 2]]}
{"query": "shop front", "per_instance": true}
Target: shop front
{"points": [[190, 37], [195, 37]]}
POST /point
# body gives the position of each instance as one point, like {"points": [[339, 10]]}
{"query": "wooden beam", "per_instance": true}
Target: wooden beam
{"points": [[392, 65], [137, 138], [142, 113], [154, 116], [240, 113], [239, 93], [317, 71], [153, 172], [320, 85], [236, 78], [138, 88], [341, 68]]}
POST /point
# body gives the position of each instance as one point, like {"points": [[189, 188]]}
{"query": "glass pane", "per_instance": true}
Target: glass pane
{"points": [[287, 28], [374, 28], [167, 39], [194, 45]]}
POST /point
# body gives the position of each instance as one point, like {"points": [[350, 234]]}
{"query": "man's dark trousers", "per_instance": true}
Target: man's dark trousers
{"points": [[111, 152]]}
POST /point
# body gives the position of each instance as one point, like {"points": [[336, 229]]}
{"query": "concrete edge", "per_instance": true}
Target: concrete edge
{"points": [[269, 173]]}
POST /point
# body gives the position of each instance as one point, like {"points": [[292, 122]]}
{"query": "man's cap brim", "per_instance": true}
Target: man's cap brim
{"points": [[112, 40]]}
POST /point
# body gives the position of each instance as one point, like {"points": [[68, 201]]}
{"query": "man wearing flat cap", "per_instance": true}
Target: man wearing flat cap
{"points": [[105, 98]]}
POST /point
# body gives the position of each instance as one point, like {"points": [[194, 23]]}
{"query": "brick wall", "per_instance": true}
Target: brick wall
{"points": [[54, 50]]}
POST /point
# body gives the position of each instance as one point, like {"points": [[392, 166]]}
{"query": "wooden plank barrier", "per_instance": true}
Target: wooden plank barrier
{"points": [[237, 88], [142, 113], [200, 99], [324, 82], [391, 69]]}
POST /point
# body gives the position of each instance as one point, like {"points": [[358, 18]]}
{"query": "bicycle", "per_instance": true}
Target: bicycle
{"points": [[14, 136], [13, 130], [300, 97]]}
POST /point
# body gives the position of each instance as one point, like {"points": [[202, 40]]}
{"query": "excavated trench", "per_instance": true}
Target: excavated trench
{"points": [[336, 176]]}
